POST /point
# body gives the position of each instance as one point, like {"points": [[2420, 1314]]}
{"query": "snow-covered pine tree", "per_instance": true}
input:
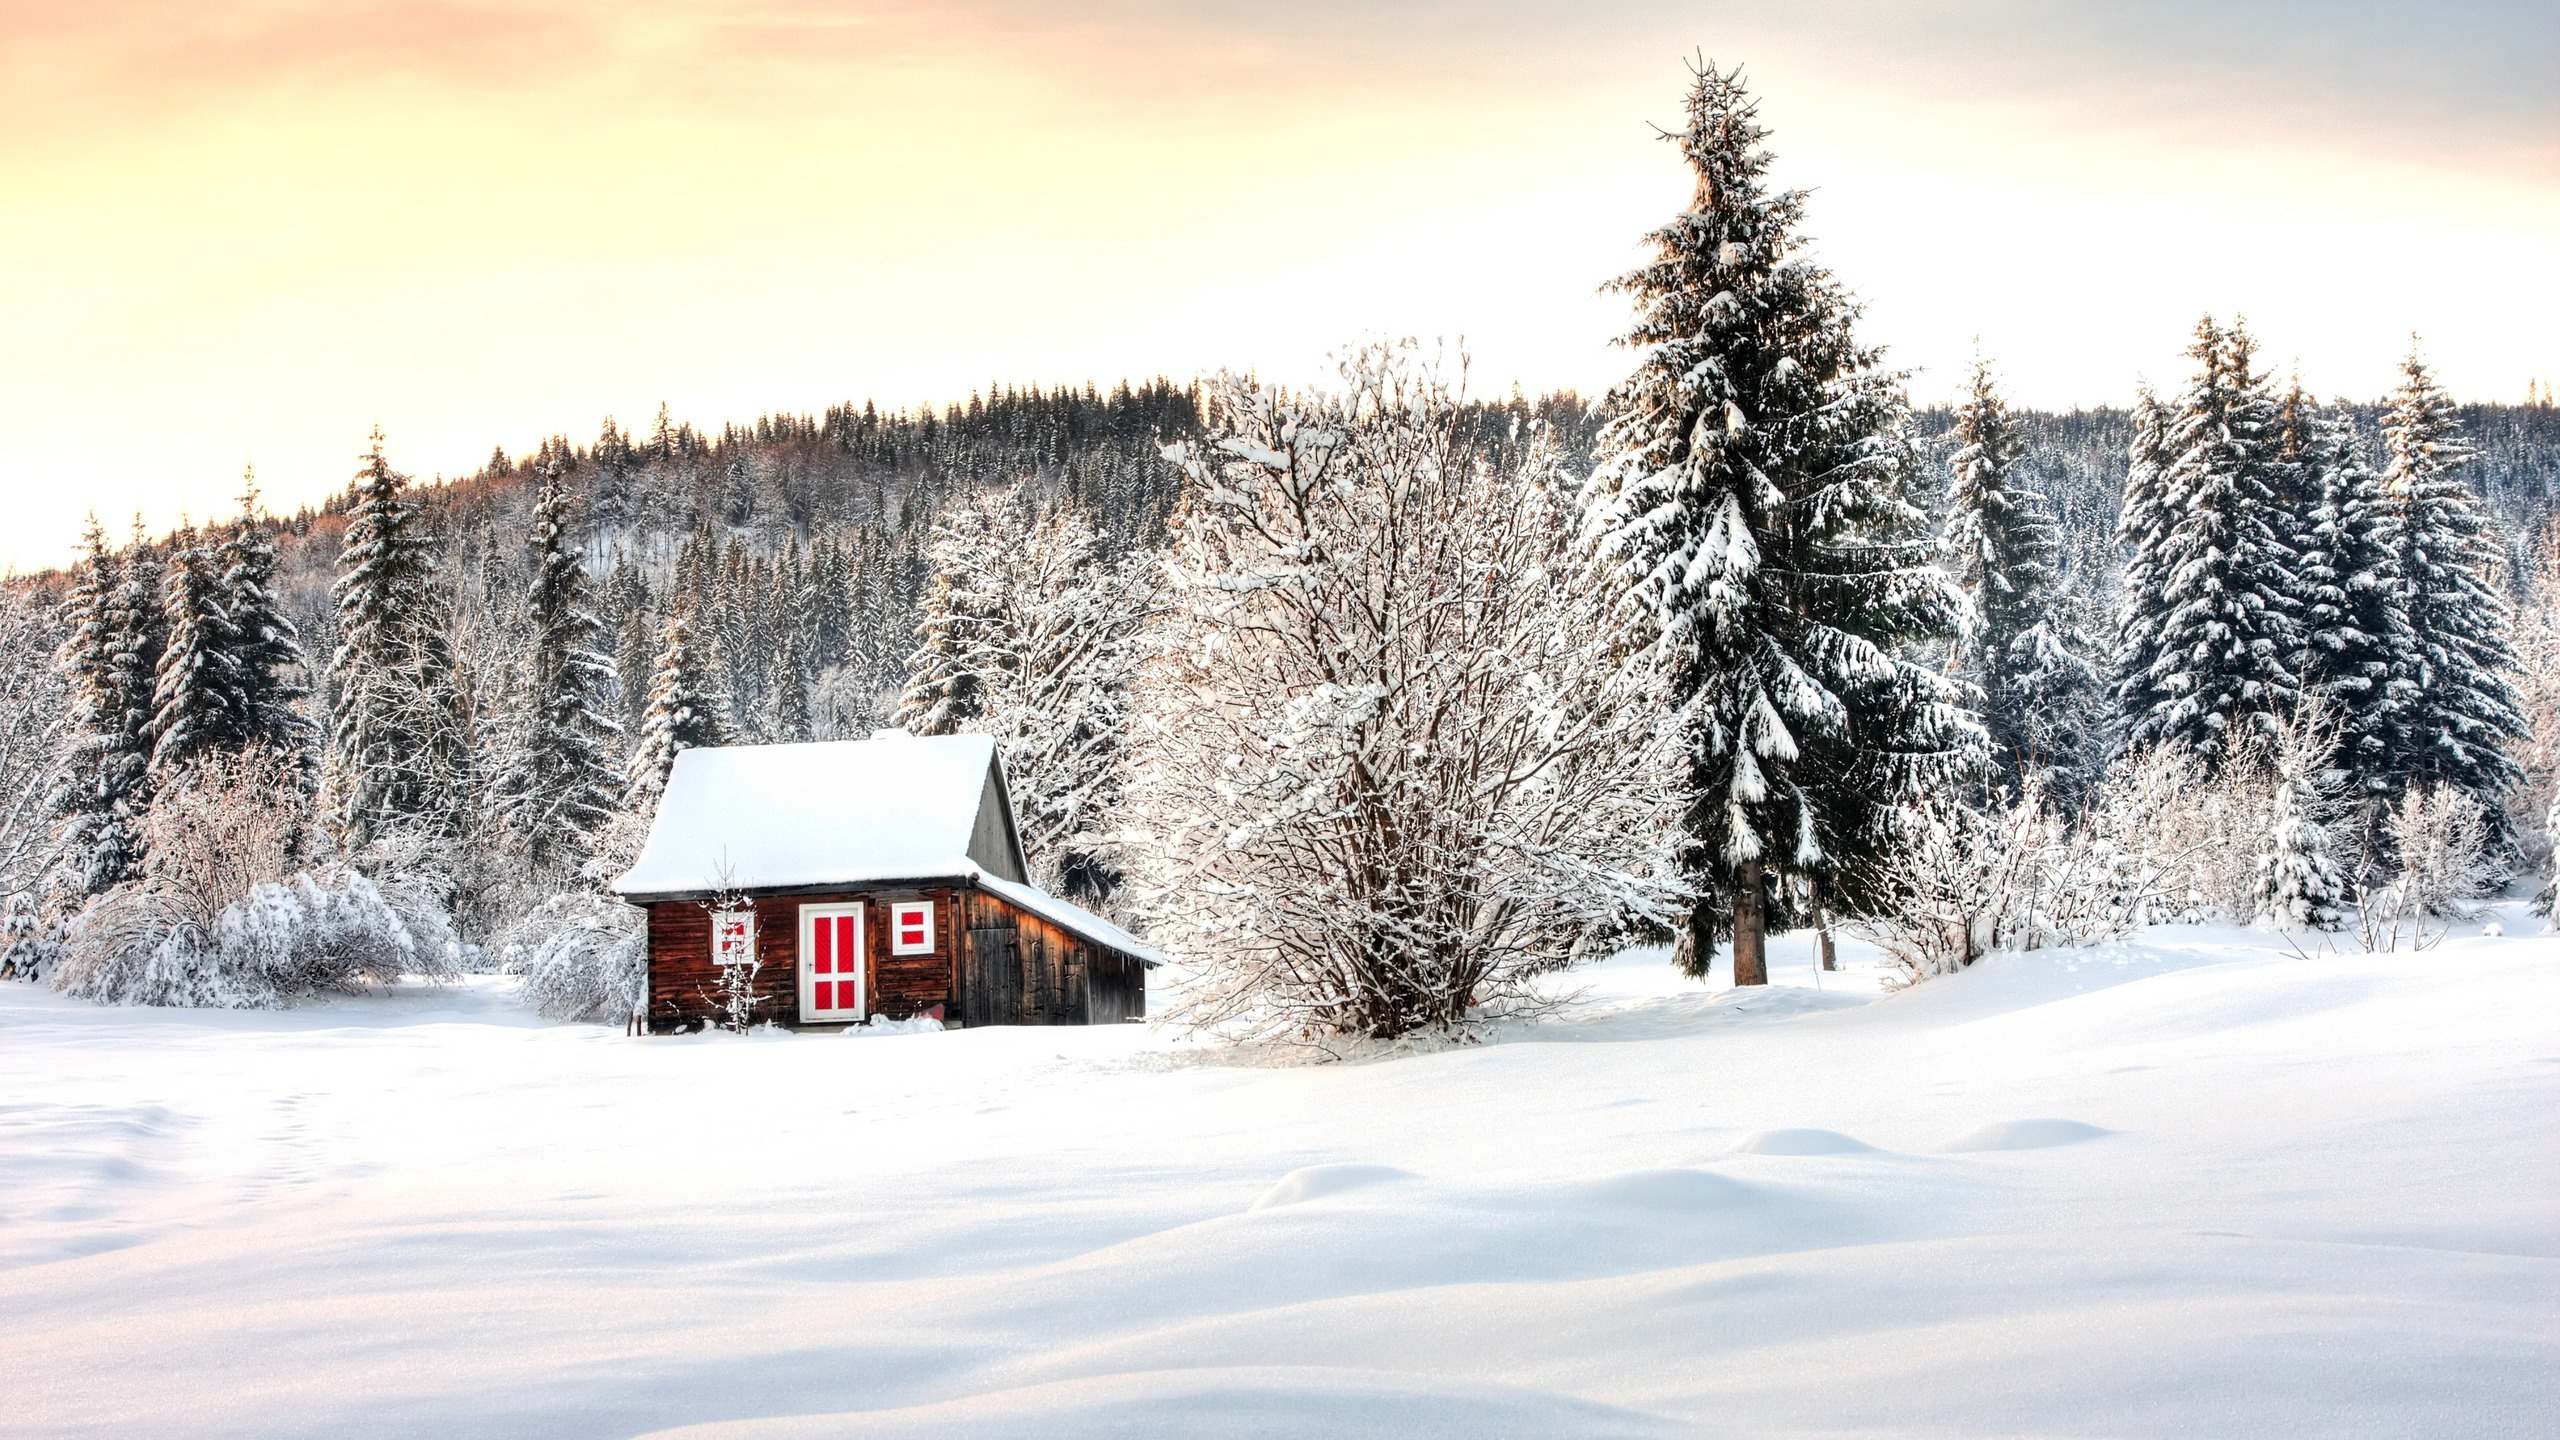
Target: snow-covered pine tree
{"points": [[1030, 634], [2142, 532], [1750, 509], [400, 757], [2001, 544], [2298, 884], [107, 788], [557, 787], [2221, 580], [2353, 618], [198, 707], [272, 665], [2461, 711], [787, 690], [960, 622], [685, 712]]}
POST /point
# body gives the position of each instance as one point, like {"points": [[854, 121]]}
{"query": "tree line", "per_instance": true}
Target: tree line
{"points": [[1373, 701]]}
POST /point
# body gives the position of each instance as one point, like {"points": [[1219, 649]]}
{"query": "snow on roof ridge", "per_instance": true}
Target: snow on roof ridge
{"points": [[1068, 915], [761, 817]]}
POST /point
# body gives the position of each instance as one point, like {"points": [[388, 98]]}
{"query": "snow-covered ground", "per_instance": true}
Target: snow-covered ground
{"points": [[2194, 1185]]}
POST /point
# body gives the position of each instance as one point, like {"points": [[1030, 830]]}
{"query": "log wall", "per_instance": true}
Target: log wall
{"points": [[991, 965]]}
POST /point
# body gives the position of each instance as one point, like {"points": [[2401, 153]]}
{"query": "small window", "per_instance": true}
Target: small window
{"points": [[911, 928]]}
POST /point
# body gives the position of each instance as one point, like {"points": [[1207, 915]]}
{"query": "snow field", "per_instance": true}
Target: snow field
{"points": [[2193, 1185]]}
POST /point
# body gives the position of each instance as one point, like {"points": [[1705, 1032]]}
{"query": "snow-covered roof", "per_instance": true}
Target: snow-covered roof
{"points": [[768, 817], [1071, 917], [893, 808]]}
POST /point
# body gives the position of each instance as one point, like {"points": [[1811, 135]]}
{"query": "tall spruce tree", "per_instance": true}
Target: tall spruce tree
{"points": [[109, 659], [557, 787], [2461, 712], [272, 666], [787, 690], [1751, 505], [400, 756], [2354, 621], [198, 704], [2000, 541], [2217, 608], [2142, 532], [685, 712]]}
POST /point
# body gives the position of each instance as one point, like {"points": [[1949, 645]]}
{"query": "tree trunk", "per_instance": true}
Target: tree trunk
{"points": [[1822, 951], [1693, 950], [1750, 929]]}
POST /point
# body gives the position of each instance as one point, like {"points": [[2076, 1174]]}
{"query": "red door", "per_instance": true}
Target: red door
{"points": [[831, 969]]}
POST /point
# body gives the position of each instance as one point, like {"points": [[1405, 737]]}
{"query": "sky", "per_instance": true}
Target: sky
{"points": [[248, 233]]}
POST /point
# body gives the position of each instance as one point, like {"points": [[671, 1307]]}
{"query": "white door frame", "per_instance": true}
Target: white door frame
{"points": [[810, 915]]}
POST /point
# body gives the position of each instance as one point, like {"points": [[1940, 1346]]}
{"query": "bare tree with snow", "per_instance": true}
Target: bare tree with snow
{"points": [[1387, 762]]}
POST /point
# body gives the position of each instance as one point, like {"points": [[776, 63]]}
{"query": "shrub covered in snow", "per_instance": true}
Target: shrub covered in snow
{"points": [[213, 923], [145, 945], [1385, 763], [580, 957]]}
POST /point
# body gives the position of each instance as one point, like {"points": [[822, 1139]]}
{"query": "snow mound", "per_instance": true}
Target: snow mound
{"points": [[2023, 1135], [1315, 1182], [1243, 1403], [1669, 1190], [914, 1025], [1800, 1142]]}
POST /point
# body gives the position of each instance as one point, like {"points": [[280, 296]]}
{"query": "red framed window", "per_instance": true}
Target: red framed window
{"points": [[833, 981], [911, 927]]}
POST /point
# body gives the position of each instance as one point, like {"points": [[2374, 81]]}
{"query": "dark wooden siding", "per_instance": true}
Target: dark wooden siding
{"points": [[991, 965]]}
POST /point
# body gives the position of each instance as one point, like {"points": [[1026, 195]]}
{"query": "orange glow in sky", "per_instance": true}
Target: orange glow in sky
{"points": [[249, 232]]}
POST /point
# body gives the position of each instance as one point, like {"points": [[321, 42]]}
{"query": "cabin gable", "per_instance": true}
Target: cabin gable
{"points": [[994, 843]]}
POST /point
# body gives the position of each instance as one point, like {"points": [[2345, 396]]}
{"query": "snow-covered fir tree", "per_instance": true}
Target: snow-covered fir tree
{"points": [[2461, 711], [199, 707], [2142, 532], [1029, 633], [2212, 597], [2000, 542], [2354, 621], [963, 620], [556, 784], [787, 690], [401, 752], [685, 712], [110, 659], [1750, 506], [2298, 884], [272, 666]]}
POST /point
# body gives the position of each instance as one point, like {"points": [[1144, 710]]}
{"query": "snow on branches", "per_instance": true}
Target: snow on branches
{"points": [[1030, 633], [1387, 760]]}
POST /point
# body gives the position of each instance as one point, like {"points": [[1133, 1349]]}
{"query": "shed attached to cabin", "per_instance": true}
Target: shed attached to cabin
{"points": [[879, 877]]}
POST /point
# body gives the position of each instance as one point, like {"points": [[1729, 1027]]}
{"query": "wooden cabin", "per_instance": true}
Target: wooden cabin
{"points": [[866, 878]]}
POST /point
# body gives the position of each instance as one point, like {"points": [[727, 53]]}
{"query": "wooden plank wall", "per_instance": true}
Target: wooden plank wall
{"points": [[991, 965], [684, 986]]}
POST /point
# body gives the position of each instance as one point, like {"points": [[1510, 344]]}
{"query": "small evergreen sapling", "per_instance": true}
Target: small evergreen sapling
{"points": [[2298, 884]]}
